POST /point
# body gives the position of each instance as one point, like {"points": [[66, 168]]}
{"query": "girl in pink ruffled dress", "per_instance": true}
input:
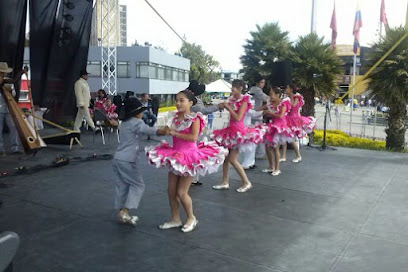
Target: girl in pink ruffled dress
{"points": [[237, 136], [300, 125], [278, 131], [185, 159]]}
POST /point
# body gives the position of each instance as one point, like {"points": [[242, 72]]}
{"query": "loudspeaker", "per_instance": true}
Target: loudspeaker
{"points": [[281, 74]]}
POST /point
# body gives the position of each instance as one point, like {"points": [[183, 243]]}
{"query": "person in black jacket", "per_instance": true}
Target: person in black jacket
{"points": [[155, 105], [148, 117]]}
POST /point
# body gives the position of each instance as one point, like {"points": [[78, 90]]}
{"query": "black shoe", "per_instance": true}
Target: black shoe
{"points": [[197, 183], [252, 166]]}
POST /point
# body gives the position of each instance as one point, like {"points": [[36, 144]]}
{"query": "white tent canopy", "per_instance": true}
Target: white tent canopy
{"points": [[218, 86]]}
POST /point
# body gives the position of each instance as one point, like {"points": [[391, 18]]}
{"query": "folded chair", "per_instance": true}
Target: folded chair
{"points": [[101, 120]]}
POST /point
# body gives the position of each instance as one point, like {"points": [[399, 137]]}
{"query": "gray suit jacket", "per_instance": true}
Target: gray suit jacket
{"points": [[259, 96], [129, 133], [199, 107]]}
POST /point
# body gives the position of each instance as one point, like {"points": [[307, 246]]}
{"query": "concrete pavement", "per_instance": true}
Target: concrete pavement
{"points": [[342, 211]]}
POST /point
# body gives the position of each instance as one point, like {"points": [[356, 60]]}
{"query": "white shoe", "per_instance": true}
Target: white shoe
{"points": [[244, 188], [267, 170], [191, 227], [276, 173], [299, 159], [170, 225], [282, 160], [221, 187]]}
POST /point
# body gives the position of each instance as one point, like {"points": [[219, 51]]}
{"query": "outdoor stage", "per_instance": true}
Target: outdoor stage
{"points": [[342, 211]]}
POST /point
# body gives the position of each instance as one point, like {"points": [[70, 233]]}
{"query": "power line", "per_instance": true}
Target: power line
{"points": [[161, 17]]}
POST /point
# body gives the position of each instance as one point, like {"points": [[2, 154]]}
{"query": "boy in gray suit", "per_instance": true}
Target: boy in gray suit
{"points": [[129, 183]]}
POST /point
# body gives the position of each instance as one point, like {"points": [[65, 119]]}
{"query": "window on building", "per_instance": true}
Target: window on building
{"points": [[152, 71], [157, 71], [168, 73], [142, 69], [123, 69], [174, 73], [160, 72], [94, 68], [180, 76]]}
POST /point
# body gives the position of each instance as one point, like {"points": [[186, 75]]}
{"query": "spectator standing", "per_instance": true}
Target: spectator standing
{"points": [[260, 98], [148, 117]]}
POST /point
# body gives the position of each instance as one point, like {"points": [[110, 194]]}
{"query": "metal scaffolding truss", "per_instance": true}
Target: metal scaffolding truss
{"points": [[109, 19]]}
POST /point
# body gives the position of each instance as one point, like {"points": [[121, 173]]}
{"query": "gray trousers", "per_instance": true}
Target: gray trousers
{"points": [[81, 114], [6, 117], [129, 184]]}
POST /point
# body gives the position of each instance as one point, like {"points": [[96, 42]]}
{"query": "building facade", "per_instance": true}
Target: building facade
{"points": [[142, 69], [121, 24], [229, 76], [346, 54]]}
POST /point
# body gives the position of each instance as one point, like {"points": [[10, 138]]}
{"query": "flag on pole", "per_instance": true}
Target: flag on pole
{"points": [[333, 26], [383, 16], [358, 23]]}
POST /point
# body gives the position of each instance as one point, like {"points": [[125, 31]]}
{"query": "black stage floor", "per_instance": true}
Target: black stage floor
{"points": [[343, 211]]}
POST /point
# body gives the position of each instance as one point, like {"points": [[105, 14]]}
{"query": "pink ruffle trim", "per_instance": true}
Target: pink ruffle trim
{"points": [[232, 139], [205, 165]]}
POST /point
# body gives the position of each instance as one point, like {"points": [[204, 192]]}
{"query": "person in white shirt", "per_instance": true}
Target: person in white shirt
{"points": [[83, 97]]}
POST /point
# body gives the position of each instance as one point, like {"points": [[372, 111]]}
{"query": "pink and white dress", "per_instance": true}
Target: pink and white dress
{"points": [[300, 125], [187, 158], [237, 135], [278, 131]]}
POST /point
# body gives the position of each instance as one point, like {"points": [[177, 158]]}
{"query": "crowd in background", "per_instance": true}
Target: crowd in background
{"points": [[111, 106]]}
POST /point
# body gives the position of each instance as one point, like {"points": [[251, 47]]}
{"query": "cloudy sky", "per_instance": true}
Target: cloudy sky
{"points": [[222, 26]]}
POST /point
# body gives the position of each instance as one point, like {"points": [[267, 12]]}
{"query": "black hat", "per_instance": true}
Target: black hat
{"points": [[132, 107], [83, 72], [196, 88]]}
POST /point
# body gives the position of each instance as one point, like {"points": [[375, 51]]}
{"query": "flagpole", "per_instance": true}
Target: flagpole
{"points": [[352, 91], [313, 22]]}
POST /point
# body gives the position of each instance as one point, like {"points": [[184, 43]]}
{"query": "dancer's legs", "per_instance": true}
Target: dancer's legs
{"points": [[184, 184], [173, 198], [233, 158]]}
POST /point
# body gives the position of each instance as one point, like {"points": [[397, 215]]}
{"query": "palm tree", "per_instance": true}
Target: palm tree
{"points": [[315, 69], [389, 85], [267, 45]]}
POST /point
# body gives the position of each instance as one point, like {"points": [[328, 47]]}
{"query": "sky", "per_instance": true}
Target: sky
{"points": [[221, 27]]}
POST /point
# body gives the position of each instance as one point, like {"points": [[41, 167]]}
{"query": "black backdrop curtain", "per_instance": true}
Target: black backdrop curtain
{"points": [[13, 15], [66, 53], [42, 21]]}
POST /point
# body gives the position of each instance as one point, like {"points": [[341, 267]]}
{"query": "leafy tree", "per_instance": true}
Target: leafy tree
{"points": [[267, 45], [389, 84], [202, 66], [315, 69]]}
